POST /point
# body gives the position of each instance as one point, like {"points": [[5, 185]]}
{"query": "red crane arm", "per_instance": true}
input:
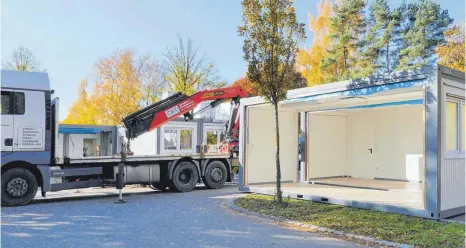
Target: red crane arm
{"points": [[159, 113], [191, 102]]}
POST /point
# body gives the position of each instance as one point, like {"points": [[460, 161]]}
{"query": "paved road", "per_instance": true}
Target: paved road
{"points": [[194, 219]]}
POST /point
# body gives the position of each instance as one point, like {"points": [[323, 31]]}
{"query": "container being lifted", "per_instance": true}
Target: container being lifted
{"points": [[30, 134]]}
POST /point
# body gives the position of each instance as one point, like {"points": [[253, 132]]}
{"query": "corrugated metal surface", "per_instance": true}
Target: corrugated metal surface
{"points": [[452, 183]]}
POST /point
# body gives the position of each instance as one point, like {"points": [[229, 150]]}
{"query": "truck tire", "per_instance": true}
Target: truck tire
{"points": [[19, 187], [185, 177], [215, 175]]}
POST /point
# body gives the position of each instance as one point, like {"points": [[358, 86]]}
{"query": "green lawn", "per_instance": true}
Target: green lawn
{"points": [[376, 224]]}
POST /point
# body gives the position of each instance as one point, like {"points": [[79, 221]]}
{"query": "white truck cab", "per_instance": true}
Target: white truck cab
{"points": [[28, 130]]}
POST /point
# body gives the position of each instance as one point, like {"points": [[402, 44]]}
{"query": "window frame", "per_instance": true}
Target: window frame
{"points": [[169, 130], [178, 130], [460, 133], [13, 102], [179, 139]]}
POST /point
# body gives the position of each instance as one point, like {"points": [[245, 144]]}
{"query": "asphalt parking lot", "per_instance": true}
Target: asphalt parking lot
{"points": [[148, 219]]}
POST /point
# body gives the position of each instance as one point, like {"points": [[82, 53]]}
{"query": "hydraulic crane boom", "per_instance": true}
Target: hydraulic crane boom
{"points": [[157, 114]]}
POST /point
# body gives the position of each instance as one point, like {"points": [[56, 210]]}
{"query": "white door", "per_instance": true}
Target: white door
{"points": [[7, 121], [361, 147], [29, 121]]}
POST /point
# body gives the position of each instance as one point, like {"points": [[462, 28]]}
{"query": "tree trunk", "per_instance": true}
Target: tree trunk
{"points": [[277, 157], [388, 56]]}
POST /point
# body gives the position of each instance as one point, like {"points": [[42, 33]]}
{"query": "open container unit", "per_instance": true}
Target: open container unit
{"points": [[394, 143]]}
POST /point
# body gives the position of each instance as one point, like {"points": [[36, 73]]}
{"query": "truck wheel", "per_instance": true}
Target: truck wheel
{"points": [[215, 175], [185, 177], [19, 187]]}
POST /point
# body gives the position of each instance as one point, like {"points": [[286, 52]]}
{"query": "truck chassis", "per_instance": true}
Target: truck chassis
{"points": [[177, 173]]}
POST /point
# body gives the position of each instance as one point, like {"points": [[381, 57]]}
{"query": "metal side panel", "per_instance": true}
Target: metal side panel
{"points": [[76, 185], [145, 173], [77, 172]]}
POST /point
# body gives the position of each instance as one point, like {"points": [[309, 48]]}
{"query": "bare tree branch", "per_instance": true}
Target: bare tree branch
{"points": [[186, 70], [23, 59]]}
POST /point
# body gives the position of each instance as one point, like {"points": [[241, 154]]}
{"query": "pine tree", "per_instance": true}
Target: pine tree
{"points": [[405, 20], [426, 25], [383, 24], [346, 26]]}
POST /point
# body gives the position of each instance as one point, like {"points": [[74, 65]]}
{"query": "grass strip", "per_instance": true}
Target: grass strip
{"points": [[376, 224]]}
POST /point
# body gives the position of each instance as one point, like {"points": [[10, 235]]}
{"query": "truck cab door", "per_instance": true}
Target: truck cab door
{"points": [[29, 121], [7, 121]]}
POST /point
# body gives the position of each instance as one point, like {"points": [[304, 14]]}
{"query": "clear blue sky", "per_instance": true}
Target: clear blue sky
{"points": [[68, 37]]}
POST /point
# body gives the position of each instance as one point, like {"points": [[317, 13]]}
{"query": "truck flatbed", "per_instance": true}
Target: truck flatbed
{"points": [[50, 171], [117, 159]]}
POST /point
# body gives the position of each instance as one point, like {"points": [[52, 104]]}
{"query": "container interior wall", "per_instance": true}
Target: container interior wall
{"points": [[327, 146], [383, 142], [261, 145]]}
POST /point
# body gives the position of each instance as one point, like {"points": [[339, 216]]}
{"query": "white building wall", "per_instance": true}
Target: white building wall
{"points": [[327, 145], [452, 177], [360, 139], [396, 137], [340, 143], [400, 143], [261, 148], [146, 144]]}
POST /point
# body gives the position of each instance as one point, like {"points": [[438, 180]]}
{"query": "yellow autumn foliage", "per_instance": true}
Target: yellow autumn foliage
{"points": [[118, 91], [452, 54], [309, 60], [82, 110]]}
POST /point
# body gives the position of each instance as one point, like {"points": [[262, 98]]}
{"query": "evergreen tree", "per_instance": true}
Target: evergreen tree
{"points": [[405, 20], [345, 26], [426, 23], [384, 25]]}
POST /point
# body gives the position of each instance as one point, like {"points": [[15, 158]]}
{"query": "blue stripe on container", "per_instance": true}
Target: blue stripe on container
{"points": [[360, 92]]}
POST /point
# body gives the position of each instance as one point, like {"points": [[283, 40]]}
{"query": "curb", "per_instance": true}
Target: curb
{"points": [[452, 221], [231, 204]]}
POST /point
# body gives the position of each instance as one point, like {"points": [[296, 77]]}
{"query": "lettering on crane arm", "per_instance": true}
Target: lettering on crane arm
{"points": [[186, 105], [172, 111], [217, 93]]}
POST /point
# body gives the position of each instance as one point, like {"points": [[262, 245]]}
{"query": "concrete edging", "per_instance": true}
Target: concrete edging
{"points": [[231, 204]]}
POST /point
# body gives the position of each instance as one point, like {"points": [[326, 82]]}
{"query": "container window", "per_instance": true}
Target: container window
{"points": [[170, 139], [186, 139], [451, 126], [463, 127], [212, 137]]}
